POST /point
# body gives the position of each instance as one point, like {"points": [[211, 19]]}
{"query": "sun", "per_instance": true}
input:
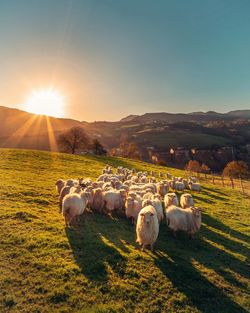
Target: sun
{"points": [[45, 102]]}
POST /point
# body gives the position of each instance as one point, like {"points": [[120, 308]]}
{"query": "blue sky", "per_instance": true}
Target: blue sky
{"points": [[111, 58]]}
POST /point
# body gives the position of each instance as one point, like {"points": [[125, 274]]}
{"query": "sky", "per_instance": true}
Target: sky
{"points": [[112, 58]]}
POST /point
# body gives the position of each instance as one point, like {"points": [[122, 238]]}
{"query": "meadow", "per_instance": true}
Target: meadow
{"points": [[98, 267]]}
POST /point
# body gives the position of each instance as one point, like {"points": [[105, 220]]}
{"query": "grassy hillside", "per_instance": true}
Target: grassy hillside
{"points": [[98, 267]]}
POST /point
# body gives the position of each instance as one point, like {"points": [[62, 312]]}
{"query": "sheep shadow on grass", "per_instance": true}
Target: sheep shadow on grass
{"points": [[100, 241], [189, 264]]}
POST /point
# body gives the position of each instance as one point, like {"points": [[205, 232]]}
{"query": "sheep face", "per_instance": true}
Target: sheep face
{"points": [[196, 212], [129, 202], [147, 217]]}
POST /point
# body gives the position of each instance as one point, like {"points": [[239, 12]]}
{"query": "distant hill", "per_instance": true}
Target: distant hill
{"points": [[189, 117], [129, 118], [19, 129]]}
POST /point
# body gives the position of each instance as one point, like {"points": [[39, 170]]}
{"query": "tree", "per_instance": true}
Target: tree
{"points": [[97, 147], [236, 169], [73, 140], [126, 149], [204, 168], [133, 151], [193, 166]]}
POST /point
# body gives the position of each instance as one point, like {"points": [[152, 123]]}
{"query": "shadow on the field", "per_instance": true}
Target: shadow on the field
{"points": [[214, 190], [99, 242], [217, 196], [189, 263], [217, 224]]}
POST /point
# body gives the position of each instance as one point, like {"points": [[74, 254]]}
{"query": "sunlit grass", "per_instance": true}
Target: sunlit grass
{"points": [[98, 267]]}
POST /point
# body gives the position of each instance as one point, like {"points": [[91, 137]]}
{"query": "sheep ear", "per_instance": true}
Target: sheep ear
{"points": [[142, 214], [151, 214]]}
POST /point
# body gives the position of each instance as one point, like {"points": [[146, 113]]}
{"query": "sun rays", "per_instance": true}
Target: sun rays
{"points": [[36, 129], [48, 101]]}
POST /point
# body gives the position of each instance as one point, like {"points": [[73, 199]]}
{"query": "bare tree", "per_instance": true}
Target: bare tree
{"points": [[73, 140], [97, 147]]}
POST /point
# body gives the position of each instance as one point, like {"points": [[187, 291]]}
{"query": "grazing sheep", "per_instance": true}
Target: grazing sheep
{"points": [[98, 201], [157, 204], [107, 186], [193, 179], [76, 189], [73, 206], [186, 200], [194, 186], [170, 199], [162, 189], [65, 191], [71, 182], [90, 196], [188, 220], [185, 182], [132, 209], [124, 194], [147, 195], [112, 200], [59, 185], [150, 186], [178, 186], [147, 227]]}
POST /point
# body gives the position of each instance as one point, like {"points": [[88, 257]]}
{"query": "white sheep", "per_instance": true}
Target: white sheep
{"points": [[73, 206], [71, 182], [157, 204], [194, 186], [188, 220], [132, 209], [59, 185], [178, 186], [162, 189], [170, 199], [147, 227], [65, 191], [186, 200], [98, 201], [147, 195], [113, 200], [76, 189]]}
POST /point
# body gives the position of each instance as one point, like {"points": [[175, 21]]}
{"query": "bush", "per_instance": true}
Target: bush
{"points": [[236, 169]]}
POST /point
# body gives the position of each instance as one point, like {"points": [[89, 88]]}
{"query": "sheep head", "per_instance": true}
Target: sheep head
{"points": [[147, 217]]}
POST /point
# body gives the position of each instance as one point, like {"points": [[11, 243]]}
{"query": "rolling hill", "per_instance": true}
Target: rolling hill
{"points": [[98, 266], [19, 129]]}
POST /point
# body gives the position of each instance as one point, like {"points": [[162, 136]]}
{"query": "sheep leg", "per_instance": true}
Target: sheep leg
{"points": [[152, 247], [72, 219], [143, 247], [66, 221]]}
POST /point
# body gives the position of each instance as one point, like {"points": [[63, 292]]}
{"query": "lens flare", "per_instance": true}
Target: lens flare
{"points": [[48, 102]]}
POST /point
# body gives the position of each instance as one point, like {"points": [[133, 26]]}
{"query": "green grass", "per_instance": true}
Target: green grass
{"points": [[98, 267], [180, 138]]}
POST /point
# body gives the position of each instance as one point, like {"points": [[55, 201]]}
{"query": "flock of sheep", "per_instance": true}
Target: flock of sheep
{"points": [[136, 195]]}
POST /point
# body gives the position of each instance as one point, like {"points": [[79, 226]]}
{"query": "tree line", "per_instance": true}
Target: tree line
{"points": [[75, 140]]}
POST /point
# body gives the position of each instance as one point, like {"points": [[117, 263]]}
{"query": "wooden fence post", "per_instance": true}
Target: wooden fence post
{"points": [[241, 184], [232, 182]]}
